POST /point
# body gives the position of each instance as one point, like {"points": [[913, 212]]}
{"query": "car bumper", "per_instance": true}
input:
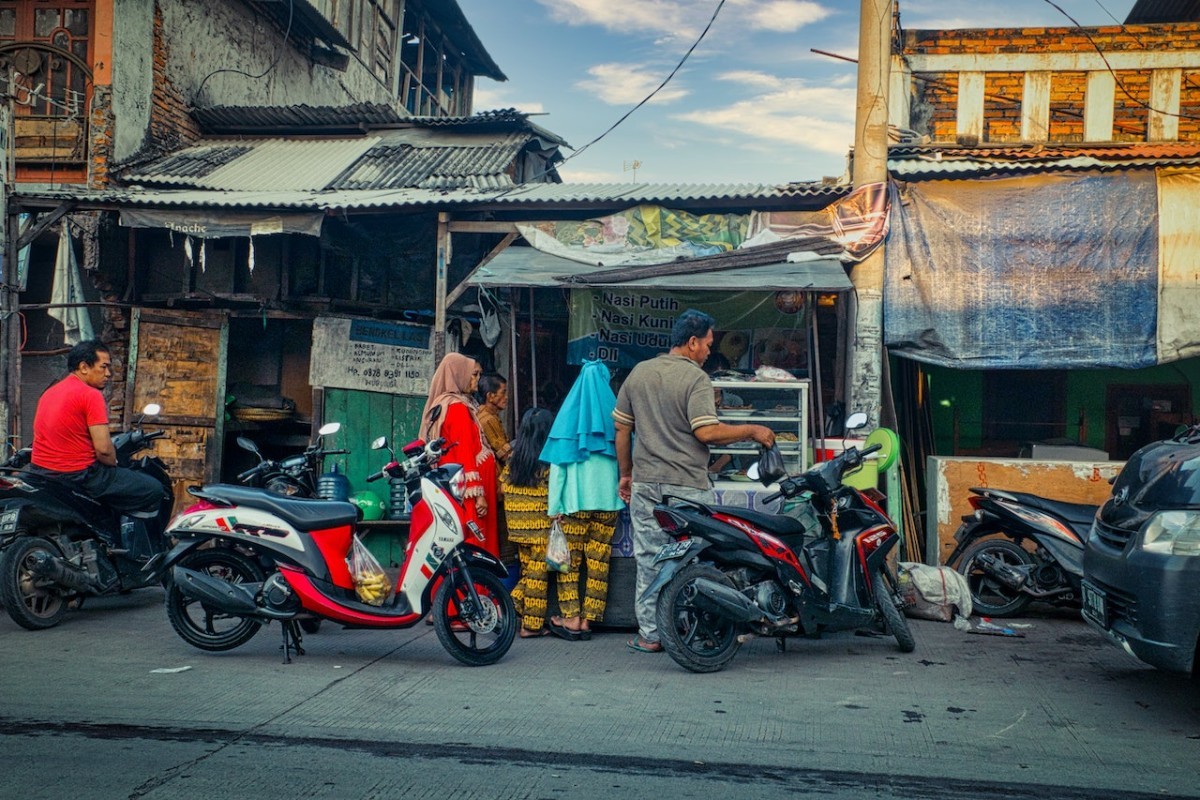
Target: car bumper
{"points": [[1152, 603]]}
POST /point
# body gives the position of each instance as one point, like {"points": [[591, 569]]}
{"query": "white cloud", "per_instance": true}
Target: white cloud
{"points": [[492, 97], [627, 84], [572, 175], [668, 19], [781, 111], [784, 16]]}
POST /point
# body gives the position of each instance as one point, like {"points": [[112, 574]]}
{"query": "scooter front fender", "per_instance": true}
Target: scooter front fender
{"points": [[477, 557]]}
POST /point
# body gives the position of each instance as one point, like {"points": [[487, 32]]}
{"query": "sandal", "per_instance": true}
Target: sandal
{"points": [[640, 645], [563, 632], [526, 633]]}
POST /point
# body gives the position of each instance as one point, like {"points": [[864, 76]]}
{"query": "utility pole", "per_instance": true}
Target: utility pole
{"points": [[864, 389]]}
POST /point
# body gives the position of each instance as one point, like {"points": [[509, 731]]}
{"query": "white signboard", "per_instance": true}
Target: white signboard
{"points": [[371, 355]]}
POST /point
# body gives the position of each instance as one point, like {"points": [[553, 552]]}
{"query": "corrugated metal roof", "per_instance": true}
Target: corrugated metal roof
{"points": [[279, 164], [219, 119], [390, 166], [381, 199], [406, 158], [1154, 11], [964, 162]]}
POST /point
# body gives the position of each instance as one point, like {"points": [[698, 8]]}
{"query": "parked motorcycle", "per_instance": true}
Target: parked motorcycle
{"points": [[733, 573], [218, 597], [294, 476], [60, 545], [1017, 547]]}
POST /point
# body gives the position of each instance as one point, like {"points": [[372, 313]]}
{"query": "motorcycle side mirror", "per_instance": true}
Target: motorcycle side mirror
{"points": [[247, 444], [752, 471], [379, 443], [856, 420], [329, 428], [151, 410]]}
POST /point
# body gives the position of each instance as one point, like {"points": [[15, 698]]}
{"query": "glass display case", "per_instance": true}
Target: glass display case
{"points": [[782, 406]]}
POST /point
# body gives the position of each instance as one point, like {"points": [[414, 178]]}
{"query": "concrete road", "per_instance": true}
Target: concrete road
{"points": [[85, 712]]}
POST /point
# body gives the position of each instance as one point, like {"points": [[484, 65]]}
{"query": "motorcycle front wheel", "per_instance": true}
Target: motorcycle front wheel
{"points": [[476, 632], [897, 623], [989, 595], [30, 604], [698, 640], [204, 628]]}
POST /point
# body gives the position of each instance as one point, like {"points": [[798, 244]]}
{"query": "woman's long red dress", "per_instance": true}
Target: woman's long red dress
{"points": [[479, 467]]}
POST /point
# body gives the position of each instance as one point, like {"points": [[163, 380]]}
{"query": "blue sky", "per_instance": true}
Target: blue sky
{"points": [[752, 104]]}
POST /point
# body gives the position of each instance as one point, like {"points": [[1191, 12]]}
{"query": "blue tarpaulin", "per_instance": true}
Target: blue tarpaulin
{"points": [[1034, 272]]}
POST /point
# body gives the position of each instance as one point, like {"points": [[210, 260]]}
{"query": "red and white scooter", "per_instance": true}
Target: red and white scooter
{"points": [[220, 595]]}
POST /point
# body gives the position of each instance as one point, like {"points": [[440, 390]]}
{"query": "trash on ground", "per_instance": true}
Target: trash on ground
{"points": [[169, 670], [935, 593]]}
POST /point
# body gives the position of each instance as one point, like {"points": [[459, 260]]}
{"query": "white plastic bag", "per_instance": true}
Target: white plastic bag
{"points": [[933, 592], [558, 554], [371, 583]]}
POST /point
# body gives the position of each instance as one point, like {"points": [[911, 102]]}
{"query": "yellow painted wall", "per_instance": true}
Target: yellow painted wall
{"points": [[949, 480]]}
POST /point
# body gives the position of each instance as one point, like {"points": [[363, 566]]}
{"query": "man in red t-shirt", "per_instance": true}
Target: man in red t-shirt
{"points": [[71, 441]]}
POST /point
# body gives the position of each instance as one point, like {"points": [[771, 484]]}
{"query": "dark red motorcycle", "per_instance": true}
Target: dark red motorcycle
{"points": [[733, 573]]}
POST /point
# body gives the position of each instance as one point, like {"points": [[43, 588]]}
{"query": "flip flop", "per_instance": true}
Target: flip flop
{"points": [[640, 645], [563, 632], [525, 633]]}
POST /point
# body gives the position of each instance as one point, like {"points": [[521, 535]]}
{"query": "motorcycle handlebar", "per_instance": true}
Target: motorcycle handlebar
{"points": [[250, 473]]}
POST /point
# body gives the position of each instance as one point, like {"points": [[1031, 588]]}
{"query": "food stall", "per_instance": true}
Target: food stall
{"points": [[767, 316]]}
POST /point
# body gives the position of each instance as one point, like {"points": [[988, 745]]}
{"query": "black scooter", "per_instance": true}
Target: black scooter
{"points": [[734, 573], [1016, 547], [59, 545], [294, 476]]}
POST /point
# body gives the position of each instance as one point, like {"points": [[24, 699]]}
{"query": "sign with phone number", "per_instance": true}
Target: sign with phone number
{"points": [[369, 355]]}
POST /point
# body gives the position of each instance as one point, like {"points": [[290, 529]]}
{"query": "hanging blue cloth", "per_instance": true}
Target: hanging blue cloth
{"points": [[584, 424]]}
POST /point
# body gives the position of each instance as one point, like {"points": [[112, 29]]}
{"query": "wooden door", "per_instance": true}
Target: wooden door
{"points": [[177, 359]]}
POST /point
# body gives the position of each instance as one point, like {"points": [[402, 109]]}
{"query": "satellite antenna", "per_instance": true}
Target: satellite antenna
{"points": [[634, 165]]}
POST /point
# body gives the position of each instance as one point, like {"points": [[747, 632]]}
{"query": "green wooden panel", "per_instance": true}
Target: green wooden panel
{"points": [[365, 416]]}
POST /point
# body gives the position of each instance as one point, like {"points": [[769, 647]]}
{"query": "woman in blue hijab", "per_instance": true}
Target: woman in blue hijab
{"points": [[582, 455]]}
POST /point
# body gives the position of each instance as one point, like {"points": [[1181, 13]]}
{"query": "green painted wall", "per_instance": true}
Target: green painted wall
{"points": [[962, 391]]}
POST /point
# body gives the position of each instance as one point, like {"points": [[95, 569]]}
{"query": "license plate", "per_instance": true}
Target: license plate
{"points": [[673, 550], [1095, 603], [8, 521]]}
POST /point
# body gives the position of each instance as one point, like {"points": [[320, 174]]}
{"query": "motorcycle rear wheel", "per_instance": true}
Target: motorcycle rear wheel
{"points": [[197, 625], [897, 623], [476, 637], [990, 597], [31, 606], [697, 640]]}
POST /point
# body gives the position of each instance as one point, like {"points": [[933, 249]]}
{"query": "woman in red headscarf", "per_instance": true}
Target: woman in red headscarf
{"points": [[450, 413]]}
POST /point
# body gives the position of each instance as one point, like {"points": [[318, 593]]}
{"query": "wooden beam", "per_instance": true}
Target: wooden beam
{"points": [[468, 226], [1035, 107], [1090, 61], [1098, 100], [1163, 122], [441, 266], [43, 222], [497, 250], [970, 107]]}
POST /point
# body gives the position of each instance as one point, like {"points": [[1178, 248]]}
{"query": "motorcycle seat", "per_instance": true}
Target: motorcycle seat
{"points": [[777, 524], [302, 514], [1072, 512]]}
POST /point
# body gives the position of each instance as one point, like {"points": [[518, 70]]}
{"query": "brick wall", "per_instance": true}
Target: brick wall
{"points": [[170, 125], [935, 103]]}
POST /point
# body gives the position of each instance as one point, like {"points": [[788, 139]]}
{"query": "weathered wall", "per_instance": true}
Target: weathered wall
{"points": [[949, 480], [133, 55], [937, 101]]}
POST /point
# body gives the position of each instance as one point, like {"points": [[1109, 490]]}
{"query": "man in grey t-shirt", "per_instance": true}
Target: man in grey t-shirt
{"points": [[668, 400]]}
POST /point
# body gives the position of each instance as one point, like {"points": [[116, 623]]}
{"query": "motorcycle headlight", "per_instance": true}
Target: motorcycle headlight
{"points": [[1175, 533], [458, 485]]}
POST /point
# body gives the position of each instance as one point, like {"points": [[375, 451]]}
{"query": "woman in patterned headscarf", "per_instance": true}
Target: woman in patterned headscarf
{"points": [[450, 413]]}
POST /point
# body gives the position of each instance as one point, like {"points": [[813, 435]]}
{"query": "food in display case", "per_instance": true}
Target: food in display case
{"points": [[782, 406]]}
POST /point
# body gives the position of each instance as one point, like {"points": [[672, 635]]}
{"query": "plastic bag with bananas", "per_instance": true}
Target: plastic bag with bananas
{"points": [[371, 583]]}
